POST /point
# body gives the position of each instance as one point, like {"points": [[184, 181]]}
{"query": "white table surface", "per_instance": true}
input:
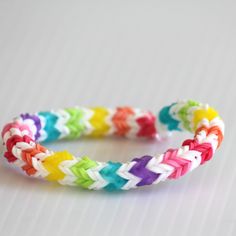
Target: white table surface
{"points": [[147, 54]]}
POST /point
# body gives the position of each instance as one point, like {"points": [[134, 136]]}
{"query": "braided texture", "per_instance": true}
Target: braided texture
{"points": [[22, 137]]}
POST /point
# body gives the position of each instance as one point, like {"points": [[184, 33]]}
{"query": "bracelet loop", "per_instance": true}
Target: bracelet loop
{"points": [[22, 138]]}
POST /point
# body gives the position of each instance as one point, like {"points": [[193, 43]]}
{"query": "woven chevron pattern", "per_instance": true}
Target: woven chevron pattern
{"points": [[22, 137], [115, 181], [50, 126], [140, 170], [75, 122], [80, 171]]}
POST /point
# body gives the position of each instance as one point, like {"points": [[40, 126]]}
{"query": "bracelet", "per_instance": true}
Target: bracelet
{"points": [[22, 138]]}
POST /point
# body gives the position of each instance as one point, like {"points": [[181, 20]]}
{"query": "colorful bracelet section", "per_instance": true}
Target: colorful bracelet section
{"points": [[22, 138]]}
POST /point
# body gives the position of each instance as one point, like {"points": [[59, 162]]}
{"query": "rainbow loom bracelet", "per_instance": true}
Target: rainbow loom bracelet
{"points": [[22, 136]]}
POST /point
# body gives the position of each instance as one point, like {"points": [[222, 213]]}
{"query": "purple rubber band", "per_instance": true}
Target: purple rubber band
{"points": [[36, 120], [140, 170]]}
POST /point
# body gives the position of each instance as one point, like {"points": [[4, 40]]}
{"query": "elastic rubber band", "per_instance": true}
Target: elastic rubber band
{"points": [[22, 138]]}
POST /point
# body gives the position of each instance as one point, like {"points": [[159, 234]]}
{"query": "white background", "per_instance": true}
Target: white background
{"points": [[146, 54]]}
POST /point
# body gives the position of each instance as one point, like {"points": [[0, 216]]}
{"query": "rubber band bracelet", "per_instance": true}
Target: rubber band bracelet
{"points": [[22, 137]]}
